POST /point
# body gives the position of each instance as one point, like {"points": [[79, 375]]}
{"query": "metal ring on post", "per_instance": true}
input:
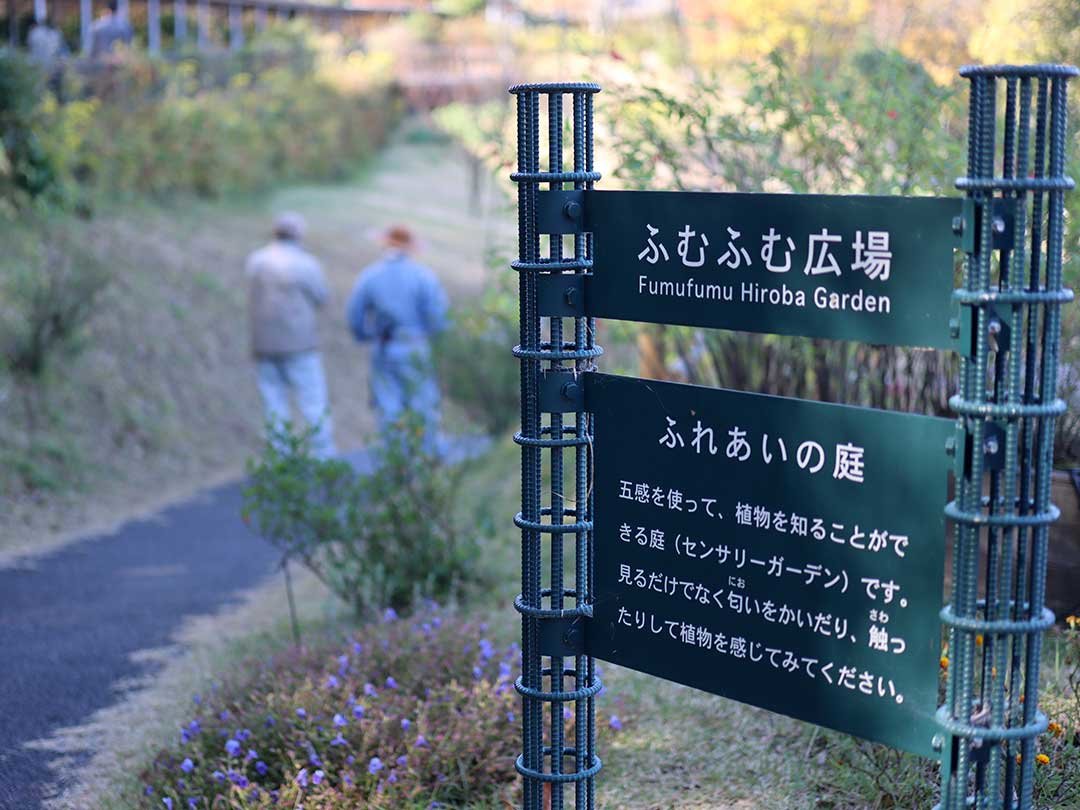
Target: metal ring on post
{"points": [[997, 627]]}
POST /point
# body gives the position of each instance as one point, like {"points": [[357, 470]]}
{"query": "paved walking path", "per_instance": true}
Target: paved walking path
{"points": [[72, 621]]}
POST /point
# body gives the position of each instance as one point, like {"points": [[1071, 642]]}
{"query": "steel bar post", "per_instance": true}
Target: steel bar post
{"points": [[203, 21], [547, 763], [1007, 393], [153, 26], [180, 22], [236, 26], [86, 18]]}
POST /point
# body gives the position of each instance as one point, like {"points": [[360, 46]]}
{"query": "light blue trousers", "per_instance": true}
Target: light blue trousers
{"points": [[402, 378], [300, 374]]}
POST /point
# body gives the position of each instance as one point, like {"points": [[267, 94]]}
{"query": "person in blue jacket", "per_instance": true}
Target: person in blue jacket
{"points": [[397, 305]]}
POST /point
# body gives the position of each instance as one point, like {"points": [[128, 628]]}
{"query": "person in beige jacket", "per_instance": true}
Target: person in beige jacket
{"points": [[286, 290]]}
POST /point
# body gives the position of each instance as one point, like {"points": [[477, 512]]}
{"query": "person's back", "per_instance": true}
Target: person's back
{"points": [[45, 45], [286, 288], [107, 31], [397, 299], [398, 304]]}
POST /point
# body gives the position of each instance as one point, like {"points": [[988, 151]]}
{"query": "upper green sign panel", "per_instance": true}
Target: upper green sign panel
{"points": [[785, 553], [871, 269]]}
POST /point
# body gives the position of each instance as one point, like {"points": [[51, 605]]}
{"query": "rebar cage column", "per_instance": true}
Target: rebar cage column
{"points": [[1007, 407], [555, 599]]}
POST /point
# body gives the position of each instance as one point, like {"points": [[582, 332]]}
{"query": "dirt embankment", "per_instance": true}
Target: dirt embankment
{"points": [[162, 400]]}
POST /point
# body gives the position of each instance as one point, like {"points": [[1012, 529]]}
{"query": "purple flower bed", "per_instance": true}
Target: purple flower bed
{"points": [[408, 713]]}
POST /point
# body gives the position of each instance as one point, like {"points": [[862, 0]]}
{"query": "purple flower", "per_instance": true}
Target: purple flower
{"points": [[192, 802], [149, 791], [251, 754], [243, 734], [187, 766], [392, 778], [358, 711], [343, 664], [332, 682], [369, 690], [194, 727], [167, 802], [421, 741], [269, 720], [390, 615], [232, 748], [317, 777], [437, 621], [486, 650], [301, 712], [238, 779], [477, 673], [375, 765], [224, 715], [615, 723], [253, 794], [504, 670], [357, 647], [313, 758], [301, 778], [350, 760], [390, 682], [197, 699], [339, 720], [402, 760], [510, 717], [339, 740], [566, 713], [405, 723], [261, 768], [347, 780], [219, 776]]}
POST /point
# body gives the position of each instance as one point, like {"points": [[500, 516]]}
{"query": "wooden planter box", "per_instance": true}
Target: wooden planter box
{"points": [[1063, 571]]}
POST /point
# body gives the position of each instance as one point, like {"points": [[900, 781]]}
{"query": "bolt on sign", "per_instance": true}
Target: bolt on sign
{"points": [[786, 553]]}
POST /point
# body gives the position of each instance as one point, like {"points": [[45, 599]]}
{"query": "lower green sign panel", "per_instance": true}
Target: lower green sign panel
{"points": [[784, 553]]}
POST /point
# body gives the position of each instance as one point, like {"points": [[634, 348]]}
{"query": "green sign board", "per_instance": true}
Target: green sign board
{"points": [[871, 269], [784, 553]]}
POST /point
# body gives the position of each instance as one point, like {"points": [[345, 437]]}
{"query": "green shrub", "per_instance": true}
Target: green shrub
{"points": [[26, 168], [859, 774], [476, 366], [387, 538], [407, 713]]}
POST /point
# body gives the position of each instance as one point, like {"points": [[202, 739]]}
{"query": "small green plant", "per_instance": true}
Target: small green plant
{"points": [[386, 538], [479, 372], [857, 774]]}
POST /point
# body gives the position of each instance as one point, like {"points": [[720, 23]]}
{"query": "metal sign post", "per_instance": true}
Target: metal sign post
{"points": [[769, 549], [1007, 407]]}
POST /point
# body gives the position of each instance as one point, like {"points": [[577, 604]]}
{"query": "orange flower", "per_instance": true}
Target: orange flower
{"points": [[1042, 759], [979, 640], [1055, 728], [1072, 621], [1019, 758], [944, 662]]}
